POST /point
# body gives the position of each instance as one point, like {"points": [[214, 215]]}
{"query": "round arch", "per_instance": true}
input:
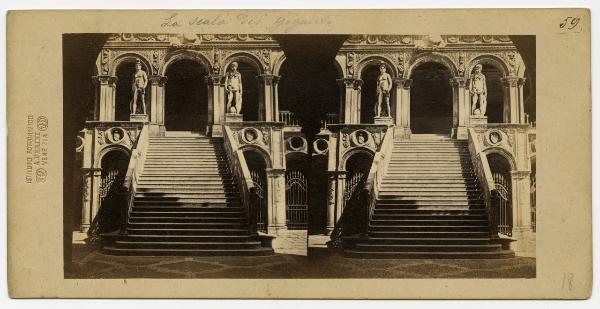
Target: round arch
{"points": [[184, 55], [278, 63], [357, 150], [489, 59], [431, 57], [259, 151], [106, 150], [503, 153], [243, 57], [376, 60], [130, 57]]}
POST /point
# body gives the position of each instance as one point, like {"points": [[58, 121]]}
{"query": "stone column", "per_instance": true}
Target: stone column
{"points": [[520, 84], [402, 121], [86, 211], [157, 99], [357, 101], [96, 182], [461, 109], [331, 199], [350, 103], [276, 97], [216, 104], [511, 99], [524, 244], [265, 98], [106, 88], [276, 198]]}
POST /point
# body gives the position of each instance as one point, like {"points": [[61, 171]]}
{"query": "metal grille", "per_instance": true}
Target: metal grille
{"points": [[353, 183], [112, 179], [503, 187], [533, 203], [296, 197], [258, 178]]}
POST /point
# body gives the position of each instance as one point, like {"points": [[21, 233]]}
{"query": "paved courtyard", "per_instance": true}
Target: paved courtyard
{"points": [[319, 264]]}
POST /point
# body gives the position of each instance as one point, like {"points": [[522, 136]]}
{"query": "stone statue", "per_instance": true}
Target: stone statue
{"points": [[384, 85], [140, 82], [478, 90], [233, 87]]}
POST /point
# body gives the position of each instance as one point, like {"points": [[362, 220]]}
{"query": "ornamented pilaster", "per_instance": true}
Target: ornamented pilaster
{"points": [[216, 104], [511, 99], [276, 97], [265, 97], [106, 89], [461, 107], [157, 102], [402, 106], [276, 197]]}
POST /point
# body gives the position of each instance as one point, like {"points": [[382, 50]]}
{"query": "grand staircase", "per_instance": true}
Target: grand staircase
{"points": [[186, 203], [429, 206]]}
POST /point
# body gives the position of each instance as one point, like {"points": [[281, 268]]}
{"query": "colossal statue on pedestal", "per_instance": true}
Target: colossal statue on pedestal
{"points": [[384, 85], [233, 87], [478, 90], [140, 82]]}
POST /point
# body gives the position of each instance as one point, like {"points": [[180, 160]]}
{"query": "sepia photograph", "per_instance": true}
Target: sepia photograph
{"points": [[300, 156]]}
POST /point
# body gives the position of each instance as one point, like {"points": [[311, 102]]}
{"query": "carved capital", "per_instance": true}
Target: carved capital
{"points": [[275, 172], [214, 79], [519, 174], [346, 82], [403, 83], [510, 81], [460, 82], [276, 79], [105, 80], [358, 84], [158, 80], [521, 82], [267, 79]]}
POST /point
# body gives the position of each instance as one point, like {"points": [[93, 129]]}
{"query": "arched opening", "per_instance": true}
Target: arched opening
{"points": [[368, 96], [257, 167], [112, 196], [495, 93], [125, 72], [296, 191], [357, 172], [501, 168], [431, 99], [186, 97]]}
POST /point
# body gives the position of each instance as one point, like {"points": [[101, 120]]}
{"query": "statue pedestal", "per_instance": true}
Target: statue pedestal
{"points": [[138, 117], [384, 120], [478, 120], [231, 117]]}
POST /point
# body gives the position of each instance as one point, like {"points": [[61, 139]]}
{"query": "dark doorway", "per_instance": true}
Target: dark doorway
{"points": [[124, 95], [495, 93], [500, 168], [186, 97], [317, 212], [368, 96], [431, 99], [250, 91], [112, 196], [258, 172]]}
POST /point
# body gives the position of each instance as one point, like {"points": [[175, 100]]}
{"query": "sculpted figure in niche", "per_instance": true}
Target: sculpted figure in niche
{"points": [[233, 87], [478, 91], [140, 82], [384, 85]]}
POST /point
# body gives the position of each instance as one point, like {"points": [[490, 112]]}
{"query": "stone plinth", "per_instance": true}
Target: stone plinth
{"points": [[384, 120], [231, 117], [477, 120], [138, 117]]}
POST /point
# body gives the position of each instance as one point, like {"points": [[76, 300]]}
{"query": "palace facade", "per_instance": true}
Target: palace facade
{"points": [[437, 174]]}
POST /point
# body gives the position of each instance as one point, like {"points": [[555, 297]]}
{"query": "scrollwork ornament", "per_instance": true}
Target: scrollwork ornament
{"points": [[100, 137]]}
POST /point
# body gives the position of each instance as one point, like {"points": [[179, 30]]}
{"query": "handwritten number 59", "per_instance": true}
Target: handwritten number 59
{"points": [[569, 23]]}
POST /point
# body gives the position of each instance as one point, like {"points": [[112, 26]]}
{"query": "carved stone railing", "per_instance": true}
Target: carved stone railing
{"points": [[330, 118], [134, 170], [241, 174], [486, 180], [378, 170], [288, 118]]}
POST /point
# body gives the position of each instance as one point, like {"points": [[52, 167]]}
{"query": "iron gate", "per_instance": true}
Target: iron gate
{"points": [[503, 187], [354, 183], [258, 178], [296, 197]]}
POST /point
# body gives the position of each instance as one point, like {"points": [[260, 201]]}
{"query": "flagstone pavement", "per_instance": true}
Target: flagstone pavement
{"points": [[87, 263]]}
